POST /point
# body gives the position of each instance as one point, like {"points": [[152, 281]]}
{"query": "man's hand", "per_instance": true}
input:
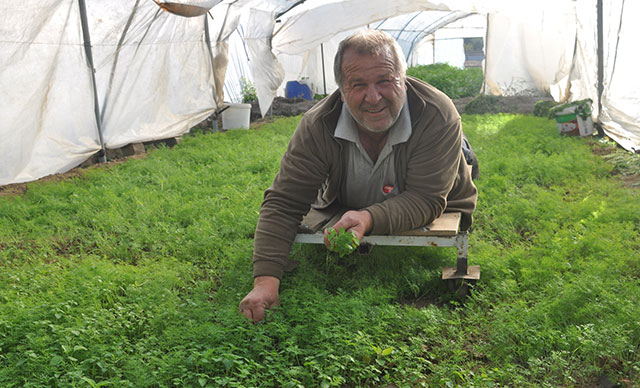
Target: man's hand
{"points": [[357, 221], [263, 296]]}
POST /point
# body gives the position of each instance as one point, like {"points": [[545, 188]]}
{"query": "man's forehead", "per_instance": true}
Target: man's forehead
{"points": [[367, 65], [370, 76], [352, 53]]}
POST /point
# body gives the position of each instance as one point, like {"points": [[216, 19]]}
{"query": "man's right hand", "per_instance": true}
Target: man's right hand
{"points": [[263, 296], [357, 221]]}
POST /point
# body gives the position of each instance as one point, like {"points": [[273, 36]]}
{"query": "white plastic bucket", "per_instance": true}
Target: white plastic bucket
{"points": [[237, 116]]}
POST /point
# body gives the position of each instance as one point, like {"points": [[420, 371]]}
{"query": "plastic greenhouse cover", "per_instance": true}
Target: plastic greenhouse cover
{"points": [[410, 29], [48, 121], [529, 59], [156, 77], [531, 48], [620, 116], [152, 72]]}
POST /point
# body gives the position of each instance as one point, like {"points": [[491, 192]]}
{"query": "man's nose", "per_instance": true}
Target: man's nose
{"points": [[373, 95]]}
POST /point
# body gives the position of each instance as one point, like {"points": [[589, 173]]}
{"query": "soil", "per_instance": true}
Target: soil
{"points": [[507, 104]]}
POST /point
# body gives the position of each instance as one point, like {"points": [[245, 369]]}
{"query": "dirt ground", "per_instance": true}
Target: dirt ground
{"points": [[508, 104]]}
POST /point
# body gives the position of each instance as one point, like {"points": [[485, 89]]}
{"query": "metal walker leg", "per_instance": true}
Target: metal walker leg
{"points": [[462, 270]]}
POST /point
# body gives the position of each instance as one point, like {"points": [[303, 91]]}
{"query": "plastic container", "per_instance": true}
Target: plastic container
{"points": [[236, 116], [574, 119], [295, 89]]}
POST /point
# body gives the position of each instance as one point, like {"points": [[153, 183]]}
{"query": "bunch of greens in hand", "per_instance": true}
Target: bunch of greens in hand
{"points": [[342, 242]]}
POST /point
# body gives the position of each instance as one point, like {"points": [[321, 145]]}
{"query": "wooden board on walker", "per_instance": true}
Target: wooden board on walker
{"points": [[448, 224]]}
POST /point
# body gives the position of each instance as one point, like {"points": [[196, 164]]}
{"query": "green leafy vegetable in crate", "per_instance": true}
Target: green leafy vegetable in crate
{"points": [[582, 108]]}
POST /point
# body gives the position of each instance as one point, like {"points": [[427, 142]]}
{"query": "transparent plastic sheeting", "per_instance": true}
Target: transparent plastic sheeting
{"points": [[156, 77], [434, 36]]}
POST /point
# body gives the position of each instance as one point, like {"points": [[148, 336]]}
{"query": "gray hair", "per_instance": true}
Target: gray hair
{"points": [[370, 42]]}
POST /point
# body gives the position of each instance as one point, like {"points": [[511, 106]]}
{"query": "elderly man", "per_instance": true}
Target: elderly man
{"points": [[385, 145]]}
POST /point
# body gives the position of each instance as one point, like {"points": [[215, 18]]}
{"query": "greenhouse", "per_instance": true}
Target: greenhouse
{"points": [[188, 200]]}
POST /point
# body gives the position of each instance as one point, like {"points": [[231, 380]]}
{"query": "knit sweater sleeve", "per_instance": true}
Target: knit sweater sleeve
{"points": [[303, 169]]}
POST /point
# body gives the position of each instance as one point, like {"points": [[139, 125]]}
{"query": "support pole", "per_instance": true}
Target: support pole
{"points": [[89, 54], [324, 80], [483, 90], [207, 40], [600, 56], [433, 55]]}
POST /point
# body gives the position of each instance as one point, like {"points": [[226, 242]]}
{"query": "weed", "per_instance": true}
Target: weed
{"points": [[342, 242], [582, 108], [248, 91], [483, 104], [542, 108], [453, 81], [130, 276]]}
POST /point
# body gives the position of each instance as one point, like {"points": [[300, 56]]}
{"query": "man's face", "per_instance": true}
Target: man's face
{"points": [[372, 89]]}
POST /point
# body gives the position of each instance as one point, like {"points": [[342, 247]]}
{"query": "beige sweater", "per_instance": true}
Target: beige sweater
{"points": [[430, 168]]}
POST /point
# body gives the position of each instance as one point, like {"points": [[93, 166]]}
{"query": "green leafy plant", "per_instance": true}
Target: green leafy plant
{"points": [[342, 242], [130, 275], [451, 80], [483, 104], [542, 108], [248, 91], [583, 108]]}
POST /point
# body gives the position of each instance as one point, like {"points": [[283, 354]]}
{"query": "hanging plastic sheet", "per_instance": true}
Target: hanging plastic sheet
{"points": [[48, 122]]}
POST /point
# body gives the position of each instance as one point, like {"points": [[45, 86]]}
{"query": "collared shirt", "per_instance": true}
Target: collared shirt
{"points": [[367, 182]]}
